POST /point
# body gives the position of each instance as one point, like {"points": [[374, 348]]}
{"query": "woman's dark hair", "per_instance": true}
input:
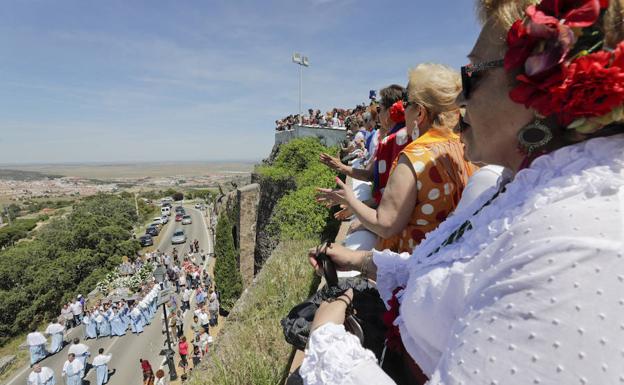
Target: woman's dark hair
{"points": [[390, 95]]}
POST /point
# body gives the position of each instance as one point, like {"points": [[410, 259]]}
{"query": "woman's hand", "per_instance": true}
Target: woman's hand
{"points": [[332, 162], [333, 312], [344, 258], [344, 214], [340, 196]]}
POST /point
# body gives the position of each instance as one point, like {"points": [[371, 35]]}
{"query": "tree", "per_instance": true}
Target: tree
{"points": [[227, 274], [178, 196]]}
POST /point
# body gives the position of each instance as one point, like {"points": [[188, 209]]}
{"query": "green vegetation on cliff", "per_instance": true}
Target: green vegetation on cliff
{"points": [[226, 272], [68, 256]]}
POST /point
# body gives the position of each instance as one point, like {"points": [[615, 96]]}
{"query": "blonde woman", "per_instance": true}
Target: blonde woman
{"points": [[428, 176]]}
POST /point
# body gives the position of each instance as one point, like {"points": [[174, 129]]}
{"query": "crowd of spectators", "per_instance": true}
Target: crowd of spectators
{"points": [[486, 207], [334, 118]]}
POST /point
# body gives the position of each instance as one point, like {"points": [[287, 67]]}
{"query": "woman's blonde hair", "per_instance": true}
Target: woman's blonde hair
{"points": [[435, 87], [504, 13]]}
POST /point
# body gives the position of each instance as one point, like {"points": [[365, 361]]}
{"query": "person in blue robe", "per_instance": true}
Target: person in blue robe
{"points": [[144, 315], [90, 327], [137, 321], [100, 363], [56, 332], [41, 375], [73, 370], [37, 345], [118, 327], [103, 325], [80, 352]]}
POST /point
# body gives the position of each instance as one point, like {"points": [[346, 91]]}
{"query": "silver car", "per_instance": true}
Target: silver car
{"points": [[178, 237], [187, 220]]}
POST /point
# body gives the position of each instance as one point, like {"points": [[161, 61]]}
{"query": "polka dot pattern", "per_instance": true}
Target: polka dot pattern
{"points": [[436, 182]]}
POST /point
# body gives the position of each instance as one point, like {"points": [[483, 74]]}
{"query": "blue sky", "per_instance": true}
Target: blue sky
{"points": [[119, 80]]}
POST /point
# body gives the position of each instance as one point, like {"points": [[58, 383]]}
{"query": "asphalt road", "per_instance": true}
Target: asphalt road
{"points": [[128, 349]]}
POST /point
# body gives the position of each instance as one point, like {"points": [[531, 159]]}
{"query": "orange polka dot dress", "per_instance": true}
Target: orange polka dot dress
{"points": [[437, 160]]}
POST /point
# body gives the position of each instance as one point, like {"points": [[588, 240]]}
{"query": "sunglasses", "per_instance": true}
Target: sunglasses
{"points": [[468, 73]]}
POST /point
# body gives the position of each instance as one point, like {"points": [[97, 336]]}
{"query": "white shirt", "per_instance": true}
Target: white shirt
{"points": [[531, 294], [76, 308], [186, 296], [203, 318], [41, 377]]}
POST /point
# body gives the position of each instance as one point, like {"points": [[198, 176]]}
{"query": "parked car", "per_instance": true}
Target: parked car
{"points": [[198, 206], [180, 210], [178, 237], [165, 210], [152, 230], [164, 219], [158, 221], [179, 217], [187, 220], [146, 240]]}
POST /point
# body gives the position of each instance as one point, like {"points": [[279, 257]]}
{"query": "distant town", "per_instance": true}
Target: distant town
{"points": [[19, 185]]}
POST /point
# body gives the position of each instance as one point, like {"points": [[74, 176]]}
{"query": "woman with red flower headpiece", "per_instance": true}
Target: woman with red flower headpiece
{"points": [[392, 120], [524, 286]]}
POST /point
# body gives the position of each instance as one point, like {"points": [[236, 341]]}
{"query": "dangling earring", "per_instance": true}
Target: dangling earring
{"points": [[415, 131], [534, 136]]}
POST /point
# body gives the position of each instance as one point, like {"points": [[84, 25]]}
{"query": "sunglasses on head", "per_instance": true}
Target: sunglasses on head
{"points": [[468, 74]]}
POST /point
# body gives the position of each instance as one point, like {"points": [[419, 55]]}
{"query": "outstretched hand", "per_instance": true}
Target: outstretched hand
{"points": [[331, 162], [339, 196]]}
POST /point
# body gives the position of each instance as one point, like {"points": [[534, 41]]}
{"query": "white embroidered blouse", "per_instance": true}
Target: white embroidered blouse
{"points": [[533, 293]]}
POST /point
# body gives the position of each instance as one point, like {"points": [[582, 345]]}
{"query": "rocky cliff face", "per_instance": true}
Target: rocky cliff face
{"points": [[270, 193]]}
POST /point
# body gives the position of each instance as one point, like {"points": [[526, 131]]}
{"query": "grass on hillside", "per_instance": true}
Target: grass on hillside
{"points": [[251, 349]]}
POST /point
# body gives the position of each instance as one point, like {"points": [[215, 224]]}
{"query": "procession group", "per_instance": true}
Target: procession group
{"points": [[105, 319]]}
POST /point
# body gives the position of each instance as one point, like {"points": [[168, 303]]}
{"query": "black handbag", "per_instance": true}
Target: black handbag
{"points": [[363, 318]]}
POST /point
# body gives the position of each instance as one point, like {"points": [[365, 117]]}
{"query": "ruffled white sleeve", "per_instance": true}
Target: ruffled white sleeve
{"points": [[392, 271], [335, 356]]}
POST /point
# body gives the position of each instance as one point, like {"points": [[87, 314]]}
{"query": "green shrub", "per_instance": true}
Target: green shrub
{"points": [[66, 257], [226, 271]]}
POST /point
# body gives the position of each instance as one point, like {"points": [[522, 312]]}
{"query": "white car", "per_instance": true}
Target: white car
{"points": [[164, 219], [158, 221], [187, 220], [178, 237], [198, 205]]}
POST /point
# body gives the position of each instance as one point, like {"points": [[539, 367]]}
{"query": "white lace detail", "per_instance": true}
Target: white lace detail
{"points": [[590, 168], [331, 354]]}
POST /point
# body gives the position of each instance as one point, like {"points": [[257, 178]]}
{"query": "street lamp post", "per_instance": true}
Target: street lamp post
{"points": [[303, 61], [159, 275]]}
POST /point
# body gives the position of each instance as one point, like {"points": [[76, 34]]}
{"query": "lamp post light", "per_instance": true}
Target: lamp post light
{"points": [[303, 61], [159, 275]]}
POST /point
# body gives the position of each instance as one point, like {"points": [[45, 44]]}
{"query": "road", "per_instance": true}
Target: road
{"points": [[128, 349]]}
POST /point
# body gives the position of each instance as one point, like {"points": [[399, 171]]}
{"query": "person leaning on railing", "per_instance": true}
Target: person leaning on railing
{"points": [[525, 284]]}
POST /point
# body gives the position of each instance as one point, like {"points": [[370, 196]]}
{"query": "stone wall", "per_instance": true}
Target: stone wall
{"points": [[270, 192], [247, 198], [328, 136]]}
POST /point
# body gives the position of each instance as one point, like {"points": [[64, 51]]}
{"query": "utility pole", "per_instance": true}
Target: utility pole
{"points": [[303, 61]]}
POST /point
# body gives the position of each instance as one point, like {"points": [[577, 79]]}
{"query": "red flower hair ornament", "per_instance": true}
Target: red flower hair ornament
{"points": [[397, 112], [563, 71]]}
